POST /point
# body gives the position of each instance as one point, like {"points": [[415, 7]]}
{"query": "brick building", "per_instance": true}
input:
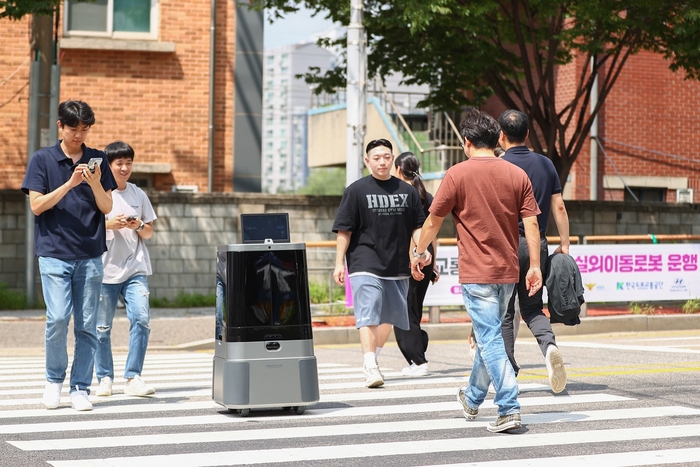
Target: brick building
{"points": [[147, 83], [645, 125]]}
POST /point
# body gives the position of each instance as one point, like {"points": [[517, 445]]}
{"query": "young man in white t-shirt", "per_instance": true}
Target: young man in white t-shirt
{"points": [[126, 265]]}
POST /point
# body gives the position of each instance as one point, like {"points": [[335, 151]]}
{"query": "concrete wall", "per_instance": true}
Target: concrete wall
{"points": [[189, 226]]}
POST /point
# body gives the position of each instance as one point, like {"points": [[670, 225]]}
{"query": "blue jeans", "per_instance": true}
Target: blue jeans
{"points": [[71, 287], [487, 304], [135, 292]]}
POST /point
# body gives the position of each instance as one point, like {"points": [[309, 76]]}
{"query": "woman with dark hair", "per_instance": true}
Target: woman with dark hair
{"points": [[414, 342]]}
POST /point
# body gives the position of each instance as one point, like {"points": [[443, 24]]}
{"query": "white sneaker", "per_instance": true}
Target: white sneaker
{"points": [[52, 395], [105, 388], [137, 387], [415, 370], [373, 378], [379, 370], [79, 400], [555, 369]]}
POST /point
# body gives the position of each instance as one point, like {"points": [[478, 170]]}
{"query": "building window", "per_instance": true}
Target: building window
{"points": [[121, 19], [647, 194], [142, 180]]}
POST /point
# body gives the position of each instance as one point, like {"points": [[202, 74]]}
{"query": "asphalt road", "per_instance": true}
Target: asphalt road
{"points": [[631, 400]]}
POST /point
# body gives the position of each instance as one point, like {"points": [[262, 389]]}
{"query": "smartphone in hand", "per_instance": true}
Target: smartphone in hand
{"points": [[92, 162], [130, 218]]}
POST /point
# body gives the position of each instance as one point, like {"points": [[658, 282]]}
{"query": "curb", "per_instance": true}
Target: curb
{"points": [[344, 335]]}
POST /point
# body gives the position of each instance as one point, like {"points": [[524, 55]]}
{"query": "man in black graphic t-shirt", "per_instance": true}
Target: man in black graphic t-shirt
{"points": [[375, 221]]}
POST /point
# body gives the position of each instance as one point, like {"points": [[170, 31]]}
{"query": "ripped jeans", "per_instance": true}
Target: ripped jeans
{"points": [[135, 293]]}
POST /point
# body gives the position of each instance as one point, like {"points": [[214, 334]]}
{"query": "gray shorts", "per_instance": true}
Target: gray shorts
{"points": [[377, 301]]}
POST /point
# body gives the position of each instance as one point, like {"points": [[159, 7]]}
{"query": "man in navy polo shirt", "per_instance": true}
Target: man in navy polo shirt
{"points": [[547, 188], [70, 193]]}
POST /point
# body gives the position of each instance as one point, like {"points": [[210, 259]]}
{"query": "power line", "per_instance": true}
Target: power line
{"points": [[659, 153]]}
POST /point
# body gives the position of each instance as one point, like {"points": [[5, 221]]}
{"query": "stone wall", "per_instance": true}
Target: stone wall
{"points": [[190, 226]]}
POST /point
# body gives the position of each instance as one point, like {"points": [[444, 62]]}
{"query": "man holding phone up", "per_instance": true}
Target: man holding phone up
{"points": [[126, 265], [70, 201]]}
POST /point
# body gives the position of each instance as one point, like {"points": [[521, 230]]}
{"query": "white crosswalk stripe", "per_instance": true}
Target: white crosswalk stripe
{"points": [[181, 426]]}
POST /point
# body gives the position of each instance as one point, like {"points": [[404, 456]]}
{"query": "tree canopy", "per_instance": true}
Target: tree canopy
{"points": [[17, 9], [469, 50]]}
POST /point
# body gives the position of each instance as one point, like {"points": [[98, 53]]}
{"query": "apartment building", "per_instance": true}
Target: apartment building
{"points": [[286, 100]]}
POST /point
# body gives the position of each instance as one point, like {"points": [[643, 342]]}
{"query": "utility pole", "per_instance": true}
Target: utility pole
{"points": [[44, 81], [594, 133], [32, 147], [356, 92]]}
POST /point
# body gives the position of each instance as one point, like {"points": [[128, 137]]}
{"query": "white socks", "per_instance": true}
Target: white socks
{"points": [[370, 360]]}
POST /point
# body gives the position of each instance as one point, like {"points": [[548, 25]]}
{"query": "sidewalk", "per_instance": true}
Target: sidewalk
{"points": [[193, 328]]}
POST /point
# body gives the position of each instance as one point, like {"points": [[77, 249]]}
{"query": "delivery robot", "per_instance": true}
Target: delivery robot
{"points": [[264, 355]]}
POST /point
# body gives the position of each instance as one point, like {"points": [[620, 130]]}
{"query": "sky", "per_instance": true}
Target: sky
{"points": [[294, 28]]}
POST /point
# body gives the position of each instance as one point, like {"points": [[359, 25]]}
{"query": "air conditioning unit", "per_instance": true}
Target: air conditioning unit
{"points": [[684, 195], [185, 188]]}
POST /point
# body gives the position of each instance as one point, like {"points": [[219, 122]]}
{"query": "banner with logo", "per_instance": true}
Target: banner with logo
{"points": [[610, 273]]}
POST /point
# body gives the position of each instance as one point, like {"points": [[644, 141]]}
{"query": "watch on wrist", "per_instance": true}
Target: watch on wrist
{"points": [[140, 227], [416, 254]]}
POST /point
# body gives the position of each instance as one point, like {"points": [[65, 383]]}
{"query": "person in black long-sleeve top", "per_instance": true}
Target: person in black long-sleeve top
{"points": [[414, 342]]}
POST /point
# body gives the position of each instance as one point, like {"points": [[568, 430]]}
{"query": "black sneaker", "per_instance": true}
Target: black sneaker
{"points": [[469, 413], [505, 423]]}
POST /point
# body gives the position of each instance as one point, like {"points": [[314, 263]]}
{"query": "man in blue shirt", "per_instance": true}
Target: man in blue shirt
{"points": [[69, 187], [547, 189]]}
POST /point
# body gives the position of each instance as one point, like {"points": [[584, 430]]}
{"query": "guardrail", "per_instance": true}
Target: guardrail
{"points": [[574, 239], [550, 239]]}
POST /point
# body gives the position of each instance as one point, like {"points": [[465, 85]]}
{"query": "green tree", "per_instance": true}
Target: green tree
{"points": [[324, 181], [17, 9], [468, 50]]}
